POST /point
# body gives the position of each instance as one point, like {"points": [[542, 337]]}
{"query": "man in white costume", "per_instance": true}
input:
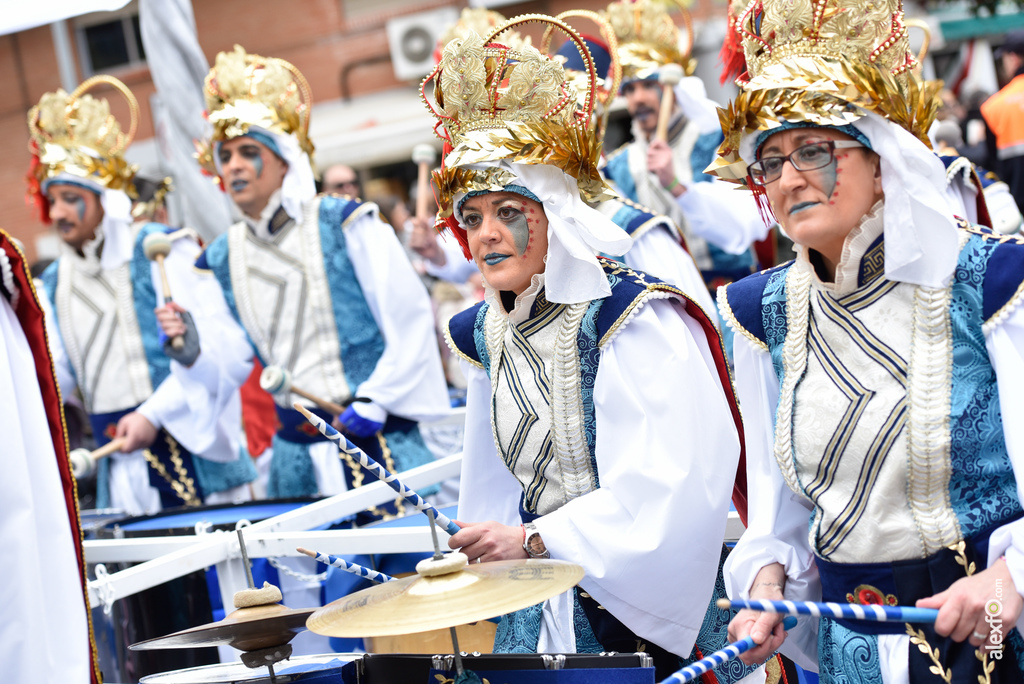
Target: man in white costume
{"points": [[718, 224], [600, 426], [880, 371], [101, 295], [45, 635], [315, 285]]}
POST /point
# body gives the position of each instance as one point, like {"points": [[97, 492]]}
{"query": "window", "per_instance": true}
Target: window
{"points": [[110, 40]]}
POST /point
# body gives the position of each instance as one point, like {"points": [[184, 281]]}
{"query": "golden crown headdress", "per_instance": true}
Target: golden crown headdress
{"points": [[244, 90], [606, 85], [76, 133], [648, 37], [493, 102], [827, 62]]}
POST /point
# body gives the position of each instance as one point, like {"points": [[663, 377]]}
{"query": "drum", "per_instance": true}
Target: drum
{"points": [[335, 668], [319, 669], [519, 668], [184, 602]]}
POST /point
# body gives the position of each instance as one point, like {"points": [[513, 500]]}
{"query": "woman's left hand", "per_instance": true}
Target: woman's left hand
{"points": [[964, 606], [489, 541]]}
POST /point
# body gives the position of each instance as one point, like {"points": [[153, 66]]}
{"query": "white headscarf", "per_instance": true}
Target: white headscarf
{"points": [[696, 105], [921, 245], [115, 231], [576, 233], [299, 185]]}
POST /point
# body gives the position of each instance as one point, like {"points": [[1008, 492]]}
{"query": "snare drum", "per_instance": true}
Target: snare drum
{"points": [[319, 669], [519, 668], [184, 602]]}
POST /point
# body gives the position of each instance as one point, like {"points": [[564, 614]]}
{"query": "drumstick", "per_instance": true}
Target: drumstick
{"points": [[156, 246], [377, 469], [423, 155], [668, 76], [277, 380], [83, 460], [342, 564], [691, 672], [845, 611]]}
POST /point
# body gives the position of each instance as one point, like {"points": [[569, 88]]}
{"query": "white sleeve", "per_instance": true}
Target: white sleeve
{"points": [[482, 467], [1005, 344], [724, 216], [659, 253], [200, 405], [408, 380], [777, 518], [667, 450], [61, 364]]}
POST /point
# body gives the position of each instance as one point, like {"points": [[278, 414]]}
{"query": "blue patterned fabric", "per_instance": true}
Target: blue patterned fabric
{"points": [[361, 342], [220, 477], [49, 280], [705, 149], [291, 471], [774, 317], [144, 298], [982, 487], [631, 217], [519, 631], [845, 656], [617, 171]]}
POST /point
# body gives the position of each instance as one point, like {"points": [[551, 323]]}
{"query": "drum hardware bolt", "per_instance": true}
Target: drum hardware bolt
{"points": [[245, 558], [103, 588], [203, 527], [118, 532], [553, 662], [646, 659], [439, 556]]}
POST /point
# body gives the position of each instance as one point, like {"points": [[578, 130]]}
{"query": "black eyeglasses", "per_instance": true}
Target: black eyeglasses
{"points": [[804, 158]]}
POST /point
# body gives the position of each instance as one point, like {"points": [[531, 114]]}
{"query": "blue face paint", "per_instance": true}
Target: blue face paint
{"points": [[257, 163], [519, 227], [78, 202]]}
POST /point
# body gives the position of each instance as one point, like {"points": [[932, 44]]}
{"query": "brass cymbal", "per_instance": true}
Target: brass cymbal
{"points": [[247, 629], [417, 604]]}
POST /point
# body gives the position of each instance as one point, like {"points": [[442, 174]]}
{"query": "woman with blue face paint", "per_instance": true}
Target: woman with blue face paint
{"points": [[600, 423], [875, 369]]}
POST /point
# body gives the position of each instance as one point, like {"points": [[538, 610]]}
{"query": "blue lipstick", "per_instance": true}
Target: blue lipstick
{"points": [[494, 258], [801, 206]]}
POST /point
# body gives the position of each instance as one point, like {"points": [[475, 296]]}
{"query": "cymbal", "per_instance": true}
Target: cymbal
{"points": [[246, 629], [419, 603]]}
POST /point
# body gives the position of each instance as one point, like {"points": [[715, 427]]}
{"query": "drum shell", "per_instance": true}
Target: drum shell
{"points": [[513, 668], [175, 605]]}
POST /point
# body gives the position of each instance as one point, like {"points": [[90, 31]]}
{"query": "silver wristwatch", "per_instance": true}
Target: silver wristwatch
{"points": [[533, 544]]}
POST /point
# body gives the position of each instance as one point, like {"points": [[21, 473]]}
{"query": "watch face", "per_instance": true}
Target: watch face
{"points": [[536, 544]]}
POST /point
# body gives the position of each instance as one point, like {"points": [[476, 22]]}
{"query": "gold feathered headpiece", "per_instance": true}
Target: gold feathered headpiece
{"points": [[76, 134], [493, 102], [826, 62], [607, 84], [649, 39], [480, 21], [244, 90]]}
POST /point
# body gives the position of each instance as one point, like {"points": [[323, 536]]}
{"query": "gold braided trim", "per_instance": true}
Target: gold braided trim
{"points": [[94, 659], [183, 485], [918, 639], [455, 348], [730, 319]]}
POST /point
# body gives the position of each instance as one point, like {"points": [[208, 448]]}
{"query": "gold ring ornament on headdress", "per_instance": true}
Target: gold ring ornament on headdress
{"points": [[648, 37], [76, 134], [607, 84], [493, 102], [244, 90], [826, 62], [482, 22]]}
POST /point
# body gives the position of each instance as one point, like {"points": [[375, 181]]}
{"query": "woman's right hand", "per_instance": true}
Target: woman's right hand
{"points": [[764, 628]]}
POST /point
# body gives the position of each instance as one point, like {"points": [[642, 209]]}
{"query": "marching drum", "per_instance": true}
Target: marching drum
{"points": [[179, 604], [635, 668]]}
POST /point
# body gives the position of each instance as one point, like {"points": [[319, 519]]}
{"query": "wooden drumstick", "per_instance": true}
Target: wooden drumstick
{"points": [[277, 380], [424, 156], [668, 76], [156, 246], [83, 461]]}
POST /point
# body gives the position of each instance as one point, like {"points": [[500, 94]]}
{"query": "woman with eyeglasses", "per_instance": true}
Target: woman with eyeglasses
{"points": [[880, 372]]}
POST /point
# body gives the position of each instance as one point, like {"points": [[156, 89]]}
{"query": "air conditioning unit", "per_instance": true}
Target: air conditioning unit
{"points": [[412, 39]]}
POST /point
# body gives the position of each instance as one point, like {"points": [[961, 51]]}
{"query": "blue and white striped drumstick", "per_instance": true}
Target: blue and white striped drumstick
{"points": [[343, 564], [377, 469], [691, 672], [846, 611]]}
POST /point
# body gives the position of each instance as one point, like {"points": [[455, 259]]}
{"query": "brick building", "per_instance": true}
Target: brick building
{"points": [[364, 115]]}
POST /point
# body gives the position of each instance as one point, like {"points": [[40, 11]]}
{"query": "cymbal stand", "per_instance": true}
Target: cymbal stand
{"points": [[438, 556], [252, 585]]}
